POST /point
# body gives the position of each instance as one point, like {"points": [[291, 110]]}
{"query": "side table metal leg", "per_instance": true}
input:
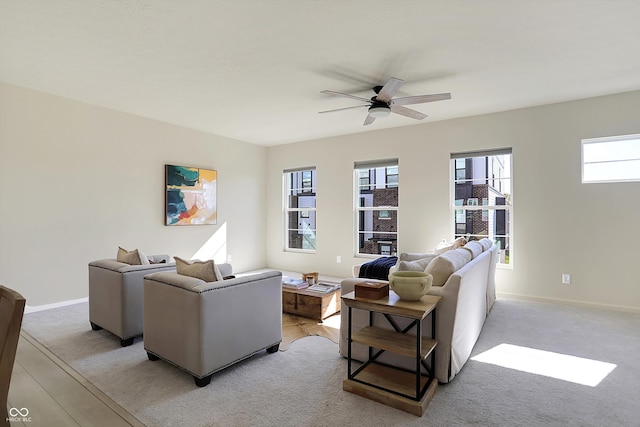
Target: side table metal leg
{"points": [[349, 346], [418, 356]]}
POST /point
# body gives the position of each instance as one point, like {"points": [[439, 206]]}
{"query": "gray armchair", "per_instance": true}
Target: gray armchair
{"points": [[203, 327], [115, 295]]}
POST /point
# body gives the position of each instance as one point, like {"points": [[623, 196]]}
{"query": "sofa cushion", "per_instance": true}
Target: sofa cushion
{"points": [[486, 243], [444, 265], [443, 247], [413, 256], [416, 265], [134, 257], [474, 248], [203, 270]]}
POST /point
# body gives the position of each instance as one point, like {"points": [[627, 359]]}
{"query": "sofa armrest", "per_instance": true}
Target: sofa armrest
{"points": [[356, 270], [225, 269]]}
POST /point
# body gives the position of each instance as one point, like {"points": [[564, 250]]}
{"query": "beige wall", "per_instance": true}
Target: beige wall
{"points": [[76, 181], [560, 224]]}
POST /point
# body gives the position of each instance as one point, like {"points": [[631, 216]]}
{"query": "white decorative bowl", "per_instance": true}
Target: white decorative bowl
{"points": [[410, 285]]}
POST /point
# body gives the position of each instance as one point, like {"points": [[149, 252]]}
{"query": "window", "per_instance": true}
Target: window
{"points": [[611, 159], [300, 209], [482, 196], [376, 207]]}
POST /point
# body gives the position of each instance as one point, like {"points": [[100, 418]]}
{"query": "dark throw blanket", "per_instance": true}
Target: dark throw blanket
{"points": [[378, 268]]}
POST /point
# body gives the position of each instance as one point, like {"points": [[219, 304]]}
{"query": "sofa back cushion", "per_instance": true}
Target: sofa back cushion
{"points": [[474, 248], [444, 265], [486, 243]]}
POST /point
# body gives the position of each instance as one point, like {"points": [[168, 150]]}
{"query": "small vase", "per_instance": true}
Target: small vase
{"points": [[410, 285]]}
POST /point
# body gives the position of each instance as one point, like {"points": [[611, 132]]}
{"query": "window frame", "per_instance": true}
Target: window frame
{"points": [[307, 187], [377, 178], [466, 208]]}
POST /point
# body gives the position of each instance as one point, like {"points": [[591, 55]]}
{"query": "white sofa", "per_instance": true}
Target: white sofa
{"points": [[467, 297]]}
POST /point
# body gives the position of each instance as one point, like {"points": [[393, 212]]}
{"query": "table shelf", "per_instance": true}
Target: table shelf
{"points": [[393, 341]]}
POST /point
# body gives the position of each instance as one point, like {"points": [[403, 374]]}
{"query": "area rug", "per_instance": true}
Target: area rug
{"points": [[302, 386], [296, 327]]}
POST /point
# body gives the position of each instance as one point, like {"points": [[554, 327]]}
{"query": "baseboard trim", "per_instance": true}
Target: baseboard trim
{"points": [[519, 297], [33, 309]]}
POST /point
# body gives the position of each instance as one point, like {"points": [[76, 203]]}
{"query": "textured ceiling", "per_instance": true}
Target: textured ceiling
{"points": [[253, 70]]}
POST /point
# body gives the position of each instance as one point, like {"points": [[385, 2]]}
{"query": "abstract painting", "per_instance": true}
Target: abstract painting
{"points": [[191, 195]]}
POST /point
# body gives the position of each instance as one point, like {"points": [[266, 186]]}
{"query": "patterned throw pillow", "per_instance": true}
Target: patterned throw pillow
{"points": [[203, 270], [134, 257]]}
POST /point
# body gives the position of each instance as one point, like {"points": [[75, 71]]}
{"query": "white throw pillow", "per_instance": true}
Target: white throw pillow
{"points": [[444, 265], [413, 256], [417, 265], [443, 247]]}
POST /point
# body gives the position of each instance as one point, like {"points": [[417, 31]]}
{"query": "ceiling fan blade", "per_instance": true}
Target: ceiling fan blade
{"points": [[346, 95], [408, 112], [368, 120], [420, 99], [345, 108], [389, 89]]}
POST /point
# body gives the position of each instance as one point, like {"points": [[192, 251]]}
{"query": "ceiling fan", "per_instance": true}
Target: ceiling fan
{"points": [[383, 103]]}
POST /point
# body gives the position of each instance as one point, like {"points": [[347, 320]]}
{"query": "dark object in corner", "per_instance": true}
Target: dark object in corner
{"points": [[378, 268], [229, 277]]}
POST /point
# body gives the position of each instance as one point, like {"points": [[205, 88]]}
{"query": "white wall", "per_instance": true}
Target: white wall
{"points": [[560, 225], [77, 180]]}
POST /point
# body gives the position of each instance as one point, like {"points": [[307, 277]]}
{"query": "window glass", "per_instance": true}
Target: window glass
{"points": [[482, 199], [376, 209], [611, 159], [300, 210]]}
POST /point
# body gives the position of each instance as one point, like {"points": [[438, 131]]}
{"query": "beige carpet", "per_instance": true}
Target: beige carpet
{"points": [[295, 327], [302, 386]]}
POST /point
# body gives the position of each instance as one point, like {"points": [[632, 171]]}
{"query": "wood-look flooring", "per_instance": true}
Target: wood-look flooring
{"points": [[57, 396]]}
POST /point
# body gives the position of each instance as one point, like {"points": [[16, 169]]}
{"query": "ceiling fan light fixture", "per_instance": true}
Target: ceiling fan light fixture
{"points": [[379, 111]]}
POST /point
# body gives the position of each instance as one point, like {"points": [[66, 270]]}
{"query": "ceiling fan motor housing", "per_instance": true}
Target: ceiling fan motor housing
{"points": [[379, 108]]}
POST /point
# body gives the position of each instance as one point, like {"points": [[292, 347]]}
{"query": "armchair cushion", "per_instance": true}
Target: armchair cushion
{"points": [[203, 270], [134, 257]]}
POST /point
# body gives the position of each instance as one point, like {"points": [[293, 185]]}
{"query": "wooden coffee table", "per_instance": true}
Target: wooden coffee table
{"points": [[310, 304]]}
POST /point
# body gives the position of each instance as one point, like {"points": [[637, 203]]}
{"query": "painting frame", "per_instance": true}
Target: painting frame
{"points": [[190, 196]]}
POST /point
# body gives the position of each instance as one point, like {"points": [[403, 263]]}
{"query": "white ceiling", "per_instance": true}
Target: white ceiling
{"points": [[253, 70]]}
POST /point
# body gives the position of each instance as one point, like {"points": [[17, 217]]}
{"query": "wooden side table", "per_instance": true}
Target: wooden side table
{"points": [[407, 391]]}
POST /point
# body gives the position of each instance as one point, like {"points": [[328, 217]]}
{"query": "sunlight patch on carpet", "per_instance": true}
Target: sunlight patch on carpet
{"points": [[560, 366]]}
